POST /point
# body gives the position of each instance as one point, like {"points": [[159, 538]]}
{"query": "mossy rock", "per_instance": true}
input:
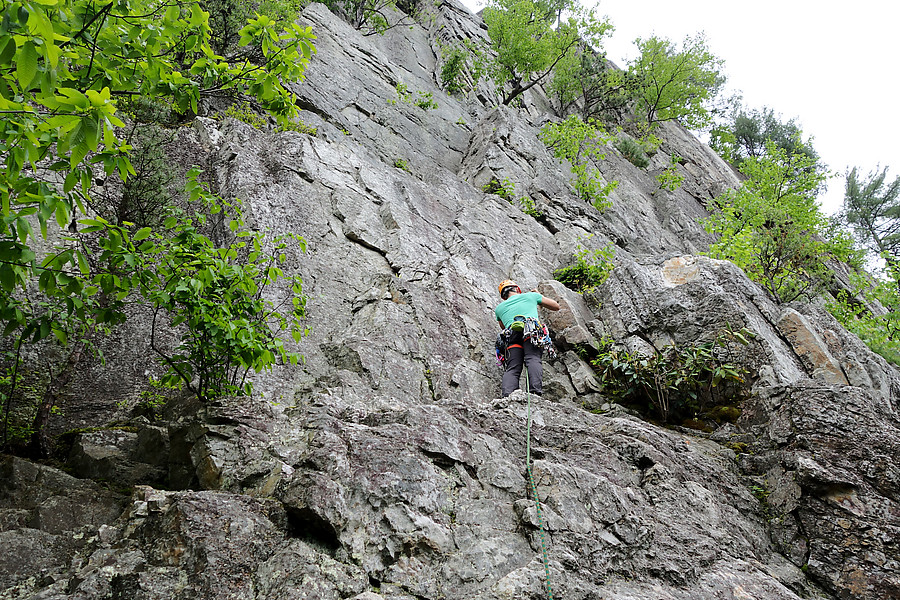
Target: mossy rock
{"points": [[738, 447], [725, 414], [697, 424]]}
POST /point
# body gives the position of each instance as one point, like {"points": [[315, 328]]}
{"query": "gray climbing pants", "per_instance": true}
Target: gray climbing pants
{"points": [[528, 355]]}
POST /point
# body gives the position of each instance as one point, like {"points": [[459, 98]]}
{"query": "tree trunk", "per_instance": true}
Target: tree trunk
{"points": [[39, 445]]}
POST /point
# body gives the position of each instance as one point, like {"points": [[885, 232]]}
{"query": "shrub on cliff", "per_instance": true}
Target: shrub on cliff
{"points": [[880, 332], [678, 380], [589, 269], [215, 292], [581, 143], [632, 150]]}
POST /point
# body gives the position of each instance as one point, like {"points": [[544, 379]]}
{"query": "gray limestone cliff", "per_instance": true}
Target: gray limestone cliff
{"points": [[385, 467]]}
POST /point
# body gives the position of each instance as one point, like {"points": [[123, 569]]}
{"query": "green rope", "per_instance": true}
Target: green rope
{"points": [[537, 503]]}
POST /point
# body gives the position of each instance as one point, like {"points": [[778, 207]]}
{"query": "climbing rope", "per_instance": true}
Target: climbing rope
{"points": [[537, 503]]}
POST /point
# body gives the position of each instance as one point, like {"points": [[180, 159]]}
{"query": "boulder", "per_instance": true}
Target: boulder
{"points": [[48, 516]]}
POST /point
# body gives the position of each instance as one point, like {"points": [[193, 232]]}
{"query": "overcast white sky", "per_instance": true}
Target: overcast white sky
{"points": [[832, 65]]}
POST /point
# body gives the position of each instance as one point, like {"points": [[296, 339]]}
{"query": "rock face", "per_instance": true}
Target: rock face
{"points": [[384, 468]]}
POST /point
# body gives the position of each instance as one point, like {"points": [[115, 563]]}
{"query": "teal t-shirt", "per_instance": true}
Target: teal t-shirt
{"points": [[519, 304]]}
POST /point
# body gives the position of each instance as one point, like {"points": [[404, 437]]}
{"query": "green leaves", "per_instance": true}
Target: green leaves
{"points": [[113, 51], [27, 65], [880, 332], [676, 83], [745, 132], [527, 44], [871, 209], [773, 228], [678, 379], [66, 67], [216, 294], [591, 267], [581, 144]]}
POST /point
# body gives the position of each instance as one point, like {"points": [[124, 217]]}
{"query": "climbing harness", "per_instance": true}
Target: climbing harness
{"points": [[530, 329], [537, 503]]}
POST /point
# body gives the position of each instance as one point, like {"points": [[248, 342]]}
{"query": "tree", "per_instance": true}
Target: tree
{"points": [[65, 68], [880, 329], [745, 134], [527, 45], [372, 16], [144, 197], [872, 211], [773, 228], [587, 80], [228, 17], [676, 84], [214, 292]]}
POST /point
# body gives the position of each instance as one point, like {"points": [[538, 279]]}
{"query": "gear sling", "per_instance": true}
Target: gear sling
{"points": [[520, 345]]}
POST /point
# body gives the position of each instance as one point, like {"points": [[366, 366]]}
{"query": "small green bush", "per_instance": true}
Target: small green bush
{"points": [[591, 268], [581, 143], [528, 206], [506, 189], [453, 69], [671, 179], [677, 380], [151, 402], [245, 113], [424, 100], [403, 93], [650, 144], [402, 164], [633, 151], [299, 126]]}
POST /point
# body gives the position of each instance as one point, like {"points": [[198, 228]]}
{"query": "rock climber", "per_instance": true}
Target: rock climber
{"points": [[523, 338]]}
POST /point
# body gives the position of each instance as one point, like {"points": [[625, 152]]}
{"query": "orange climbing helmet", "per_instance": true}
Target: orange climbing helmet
{"points": [[506, 283]]}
